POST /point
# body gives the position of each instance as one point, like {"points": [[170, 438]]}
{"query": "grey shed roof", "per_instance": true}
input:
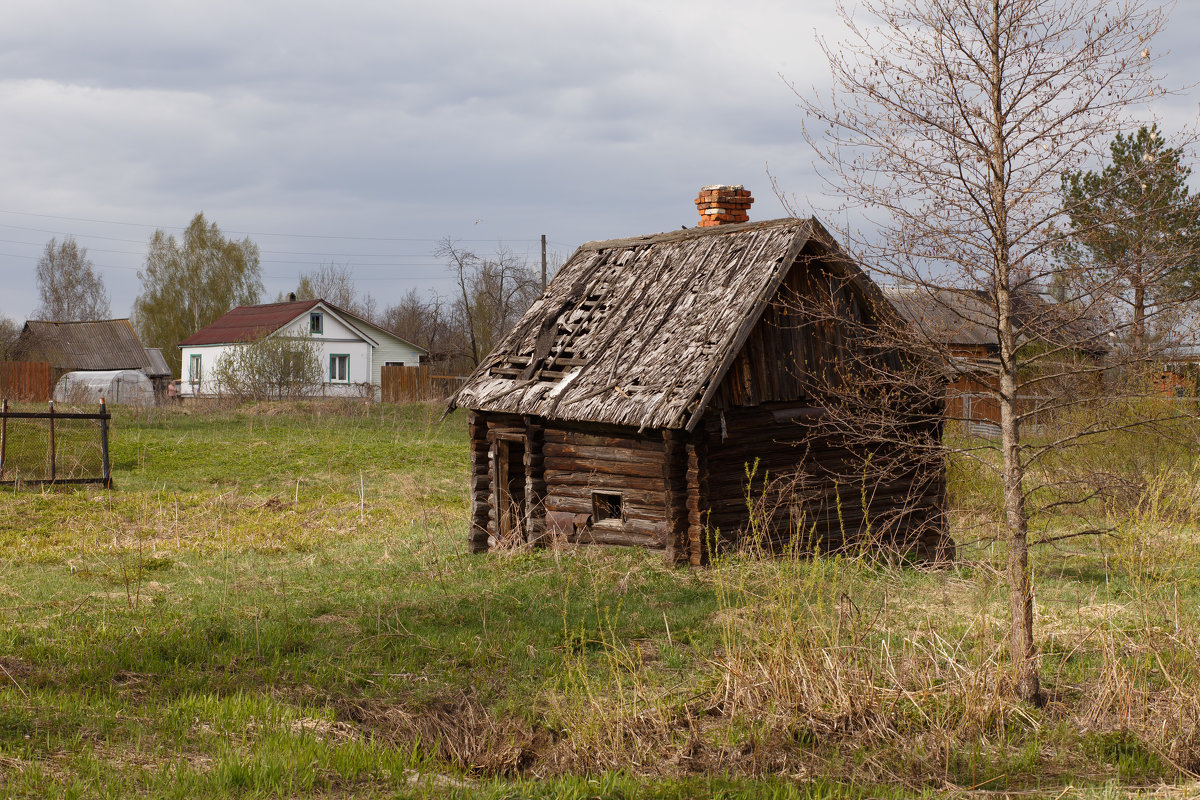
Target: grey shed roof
{"points": [[948, 316], [968, 318], [158, 364], [641, 331], [95, 345]]}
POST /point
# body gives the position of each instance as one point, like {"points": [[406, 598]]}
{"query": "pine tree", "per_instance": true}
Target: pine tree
{"points": [[1135, 229]]}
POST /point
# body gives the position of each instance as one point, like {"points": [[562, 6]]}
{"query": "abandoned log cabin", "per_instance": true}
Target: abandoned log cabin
{"points": [[671, 391]]}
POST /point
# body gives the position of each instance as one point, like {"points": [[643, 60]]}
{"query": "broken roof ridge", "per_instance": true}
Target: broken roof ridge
{"points": [[692, 233]]}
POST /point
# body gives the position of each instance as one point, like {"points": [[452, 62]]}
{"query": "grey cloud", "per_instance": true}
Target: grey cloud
{"points": [[392, 119]]}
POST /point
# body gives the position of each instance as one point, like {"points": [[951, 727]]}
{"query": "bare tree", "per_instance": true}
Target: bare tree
{"points": [[422, 322], [334, 283], [493, 293], [949, 127], [68, 285], [270, 368], [9, 333]]}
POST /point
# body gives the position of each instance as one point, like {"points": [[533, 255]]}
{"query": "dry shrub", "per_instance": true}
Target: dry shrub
{"points": [[1133, 446], [803, 678], [1159, 704], [821, 669], [839, 667]]}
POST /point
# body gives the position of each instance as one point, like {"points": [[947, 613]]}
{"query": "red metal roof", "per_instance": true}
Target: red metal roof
{"points": [[247, 323]]}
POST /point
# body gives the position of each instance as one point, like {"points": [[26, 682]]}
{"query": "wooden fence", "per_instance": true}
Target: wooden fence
{"points": [[25, 381], [415, 384]]}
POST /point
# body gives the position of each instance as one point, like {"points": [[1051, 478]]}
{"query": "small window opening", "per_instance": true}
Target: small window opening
{"points": [[607, 505], [316, 322]]}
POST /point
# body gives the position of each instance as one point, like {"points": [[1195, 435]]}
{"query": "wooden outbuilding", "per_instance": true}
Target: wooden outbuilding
{"points": [[961, 326], [91, 346], [666, 391], [94, 345]]}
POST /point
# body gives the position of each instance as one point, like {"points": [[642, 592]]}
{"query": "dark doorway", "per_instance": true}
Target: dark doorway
{"points": [[510, 489]]}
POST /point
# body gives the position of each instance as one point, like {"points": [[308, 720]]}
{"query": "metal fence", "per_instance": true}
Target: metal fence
{"points": [[40, 447]]}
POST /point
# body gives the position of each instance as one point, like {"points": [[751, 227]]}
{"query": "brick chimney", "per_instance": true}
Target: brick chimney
{"points": [[723, 205]]}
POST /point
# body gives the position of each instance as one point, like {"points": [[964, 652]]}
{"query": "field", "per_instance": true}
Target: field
{"points": [[277, 602]]}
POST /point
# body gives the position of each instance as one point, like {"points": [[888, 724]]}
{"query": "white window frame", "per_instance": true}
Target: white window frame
{"points": [[195, 370], [336, 360]]}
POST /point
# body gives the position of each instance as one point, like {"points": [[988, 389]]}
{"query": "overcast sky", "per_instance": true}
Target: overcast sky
{"points": [[363, 132]]}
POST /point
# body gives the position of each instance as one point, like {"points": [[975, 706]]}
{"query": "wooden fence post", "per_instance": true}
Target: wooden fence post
{"points": [[104, 445], [52, 454], [3, 436]]}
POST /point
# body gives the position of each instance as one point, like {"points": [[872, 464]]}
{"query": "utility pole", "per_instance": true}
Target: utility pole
{"points": [[543, 262]]}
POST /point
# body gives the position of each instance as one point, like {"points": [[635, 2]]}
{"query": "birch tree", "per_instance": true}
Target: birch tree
{"points": [[947, 131], [68, 285], [188, 284]]}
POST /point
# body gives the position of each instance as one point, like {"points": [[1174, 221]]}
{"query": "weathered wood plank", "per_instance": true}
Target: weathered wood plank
{"points": [[629, 538], [581, 439], [569, 465], [599, 480], [584, 453]]}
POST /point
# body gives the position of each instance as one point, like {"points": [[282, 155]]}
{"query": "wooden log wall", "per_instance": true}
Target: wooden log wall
{"points": [[675, 467], [535, 481], [477, 537], [698, 507], [810, 483], [581, 461]]}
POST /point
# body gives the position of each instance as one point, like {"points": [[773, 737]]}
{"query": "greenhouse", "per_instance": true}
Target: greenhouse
{"points": [[126, 387]]}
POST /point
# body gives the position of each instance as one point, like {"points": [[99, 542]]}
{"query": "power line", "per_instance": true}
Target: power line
{"points": [[254, 233], [406, 277]]}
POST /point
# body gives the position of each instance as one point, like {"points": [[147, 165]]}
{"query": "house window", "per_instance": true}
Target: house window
{"points": [[194, 370], [393, 363], [607, 506], [316, 322], [339, 368]]}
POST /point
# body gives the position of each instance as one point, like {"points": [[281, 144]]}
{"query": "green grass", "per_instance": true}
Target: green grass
{"points": [[277, 602]]}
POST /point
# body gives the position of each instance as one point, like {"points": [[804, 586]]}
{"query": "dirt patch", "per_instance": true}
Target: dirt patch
{"points": [[327, 730], [22, 674], [15, 668], [466, 734]]}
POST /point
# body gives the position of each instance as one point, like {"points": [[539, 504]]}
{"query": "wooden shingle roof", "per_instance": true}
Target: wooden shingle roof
{"points": [[641, 331]]}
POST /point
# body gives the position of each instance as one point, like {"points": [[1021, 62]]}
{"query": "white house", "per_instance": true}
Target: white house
{"points": [[351, 349]]}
